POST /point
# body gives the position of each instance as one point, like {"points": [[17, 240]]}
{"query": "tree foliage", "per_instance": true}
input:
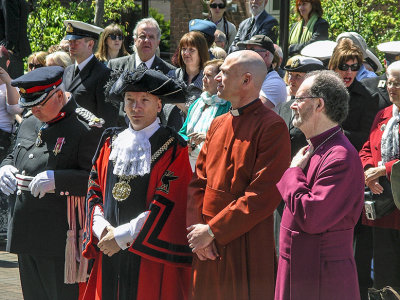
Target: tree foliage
{"points": [[46, 27], [377, 21]]}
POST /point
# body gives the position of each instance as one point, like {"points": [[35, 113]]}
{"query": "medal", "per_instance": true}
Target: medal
{"points": [[57, 148], [39, 140], [122, 189]]}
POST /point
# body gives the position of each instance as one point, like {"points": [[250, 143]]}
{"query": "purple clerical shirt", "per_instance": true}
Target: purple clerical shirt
{"points": [[323, 204]]}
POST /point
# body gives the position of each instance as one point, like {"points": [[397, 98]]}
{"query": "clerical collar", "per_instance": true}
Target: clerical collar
{"points": [[84, 63], [148, 63], [322, 138], [238, 111]]}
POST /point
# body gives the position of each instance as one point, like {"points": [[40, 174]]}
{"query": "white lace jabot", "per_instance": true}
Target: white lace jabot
{"points": [[131, 151]]}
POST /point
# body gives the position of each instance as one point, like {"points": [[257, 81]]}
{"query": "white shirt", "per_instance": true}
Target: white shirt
{"points": [[148, 63], [7, 112], [125, 233], [84, 63], [274, 88]]}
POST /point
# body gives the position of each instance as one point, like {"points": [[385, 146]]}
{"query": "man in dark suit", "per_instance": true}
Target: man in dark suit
{"points": [[260, 22], [377, 85], [86, 79], [147, 36], [50, 164], [13, 35]]}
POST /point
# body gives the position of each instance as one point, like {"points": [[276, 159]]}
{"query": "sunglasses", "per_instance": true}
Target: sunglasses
{"points": [[219, 5], [116, 37], [345, 67], [34, 66]]}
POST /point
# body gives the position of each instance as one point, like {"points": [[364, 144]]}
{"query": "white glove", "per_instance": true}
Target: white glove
{"points": [[42, 183], [125, 234], [8, 182]]}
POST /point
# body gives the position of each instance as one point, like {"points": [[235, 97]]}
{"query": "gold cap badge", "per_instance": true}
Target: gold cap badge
{"points": [[70, 28], [295, 63], [22, 90]]}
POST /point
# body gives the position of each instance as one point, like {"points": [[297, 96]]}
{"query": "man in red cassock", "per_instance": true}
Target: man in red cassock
{"points": [[233, 193], [136, 203]]}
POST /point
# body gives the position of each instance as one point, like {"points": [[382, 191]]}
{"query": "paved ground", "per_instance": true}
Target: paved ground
{"points": [[10, 287]]}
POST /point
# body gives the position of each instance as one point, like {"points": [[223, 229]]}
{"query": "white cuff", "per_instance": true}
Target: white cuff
{"points": [[99, 223], [125, 234]]}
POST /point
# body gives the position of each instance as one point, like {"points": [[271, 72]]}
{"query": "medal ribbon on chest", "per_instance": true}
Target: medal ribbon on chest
{"points": [[57, 148]]}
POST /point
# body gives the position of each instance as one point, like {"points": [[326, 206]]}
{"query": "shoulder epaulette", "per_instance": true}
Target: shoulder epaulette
{"points": [[89, 117], [27, 114]]}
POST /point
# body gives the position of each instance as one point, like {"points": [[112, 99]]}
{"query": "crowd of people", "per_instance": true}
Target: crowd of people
{"points": [[225, 173]]}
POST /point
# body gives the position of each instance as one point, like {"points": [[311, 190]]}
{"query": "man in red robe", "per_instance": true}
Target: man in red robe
{"points": [[323, 191], [233, 193], [136, 203]]}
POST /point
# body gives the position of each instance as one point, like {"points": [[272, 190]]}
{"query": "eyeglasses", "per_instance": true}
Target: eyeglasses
{"points": [[301, 99], [34, 66], [45, 101], [219, 5], [345, 67], [393, 84], [116, 37], [189, 50]]}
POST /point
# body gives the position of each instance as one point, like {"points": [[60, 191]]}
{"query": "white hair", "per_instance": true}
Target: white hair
{"points": [[148, 21]]}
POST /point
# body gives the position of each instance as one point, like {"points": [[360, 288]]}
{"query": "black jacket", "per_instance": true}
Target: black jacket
{"points": [[39, 226], [129, 63], [377, 87], [320, 33], [13, 26], [265, 24], [363, 107], [88, 89]]}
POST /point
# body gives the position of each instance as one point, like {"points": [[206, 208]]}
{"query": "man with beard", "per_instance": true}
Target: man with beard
{"points": [[323, 191], [260, 22], [233, 193]]}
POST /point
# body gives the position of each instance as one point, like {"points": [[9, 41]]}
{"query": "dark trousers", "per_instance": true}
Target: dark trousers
{"points": [[386, 243], [363, 248], [43, 278]]}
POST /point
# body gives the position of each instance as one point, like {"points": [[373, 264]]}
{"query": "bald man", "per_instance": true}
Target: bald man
{"points": [[232, 195]]}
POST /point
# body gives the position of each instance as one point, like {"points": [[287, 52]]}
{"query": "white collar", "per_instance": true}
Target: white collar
{"points": [[84, 63], [148, 63], [256, 17], [149, 130]]}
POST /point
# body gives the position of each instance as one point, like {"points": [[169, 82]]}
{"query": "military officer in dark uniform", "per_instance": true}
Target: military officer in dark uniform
{"points": [[50, 164], [377, 85], [87, 77]]}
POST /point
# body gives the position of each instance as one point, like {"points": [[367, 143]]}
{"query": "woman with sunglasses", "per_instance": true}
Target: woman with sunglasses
{"points": [[346, 60], [37, 60], [310, 27], [111, 44], [217, 15]]}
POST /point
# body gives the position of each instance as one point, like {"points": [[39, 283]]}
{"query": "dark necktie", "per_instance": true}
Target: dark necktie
{"points": [[76, 71], [248, 33], [142, 66]]}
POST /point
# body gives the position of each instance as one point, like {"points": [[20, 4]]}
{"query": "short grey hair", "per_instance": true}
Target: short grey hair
{"points": [[393, 67], [148, 21], [330, 87]]}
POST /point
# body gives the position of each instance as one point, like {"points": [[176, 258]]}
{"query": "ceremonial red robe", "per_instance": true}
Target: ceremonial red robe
{"points": [[234, 191], [165, 257]]}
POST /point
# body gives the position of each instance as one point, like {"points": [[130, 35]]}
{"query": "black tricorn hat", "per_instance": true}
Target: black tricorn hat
{"points": [[169, 90]]}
